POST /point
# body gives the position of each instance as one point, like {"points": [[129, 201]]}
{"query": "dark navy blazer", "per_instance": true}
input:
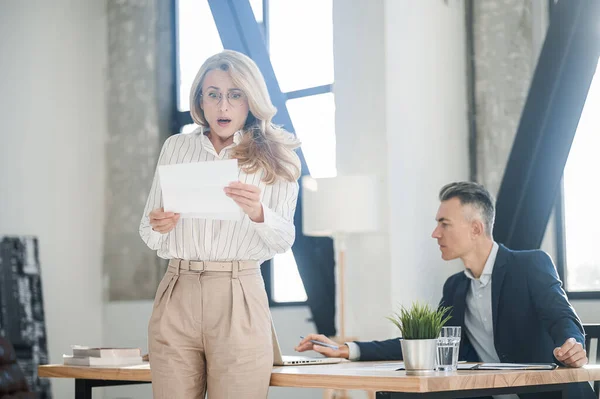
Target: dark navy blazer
{"points": [[531, 315]]}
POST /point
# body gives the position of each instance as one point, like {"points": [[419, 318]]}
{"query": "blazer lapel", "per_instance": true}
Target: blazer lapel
{"points": [[460, 304], [497, 280]]}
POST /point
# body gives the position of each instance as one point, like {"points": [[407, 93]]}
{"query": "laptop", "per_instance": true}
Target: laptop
{"points": [[280, 360]]}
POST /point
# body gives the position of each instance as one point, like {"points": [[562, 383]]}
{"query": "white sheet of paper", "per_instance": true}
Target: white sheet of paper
{"points": [[392, 366], [195, 190], [144, 366]]}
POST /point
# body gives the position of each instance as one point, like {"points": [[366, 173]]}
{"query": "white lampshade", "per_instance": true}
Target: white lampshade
{"points": [[340, 205]]}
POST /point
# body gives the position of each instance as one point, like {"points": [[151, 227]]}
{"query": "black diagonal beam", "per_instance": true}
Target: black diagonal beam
{"points": [[314, 255], [548, 123]]}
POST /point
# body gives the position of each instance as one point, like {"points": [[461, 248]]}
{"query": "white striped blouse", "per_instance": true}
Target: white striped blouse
{"points": [[222, 240]]}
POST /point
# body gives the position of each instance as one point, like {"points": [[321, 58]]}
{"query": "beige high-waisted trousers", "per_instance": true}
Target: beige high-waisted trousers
{"points": [[210, 330]]}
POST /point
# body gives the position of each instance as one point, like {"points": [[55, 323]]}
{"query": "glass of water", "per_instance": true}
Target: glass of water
{"points": [[448, 344]]}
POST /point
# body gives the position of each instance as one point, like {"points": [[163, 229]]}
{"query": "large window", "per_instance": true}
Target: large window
{"points": [[300, 43], [580, 224], [299, 37]]}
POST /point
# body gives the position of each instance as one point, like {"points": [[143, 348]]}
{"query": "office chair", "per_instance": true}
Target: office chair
{"points": [[12, 380]]}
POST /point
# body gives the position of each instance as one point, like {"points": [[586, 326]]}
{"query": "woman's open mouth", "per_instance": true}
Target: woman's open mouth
{"points": [[223, 122]]}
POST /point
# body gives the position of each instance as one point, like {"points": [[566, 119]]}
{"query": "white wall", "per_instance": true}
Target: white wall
{"points": [[427, 136], [52, 132], [360, 91], [401, 112], [126, 324]]}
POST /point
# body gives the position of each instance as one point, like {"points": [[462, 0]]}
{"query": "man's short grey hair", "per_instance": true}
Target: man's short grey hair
{"points": [[475, 195]]}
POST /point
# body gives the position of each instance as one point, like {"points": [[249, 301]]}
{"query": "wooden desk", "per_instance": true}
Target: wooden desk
{"points": [[379, 377], [87, 378]]}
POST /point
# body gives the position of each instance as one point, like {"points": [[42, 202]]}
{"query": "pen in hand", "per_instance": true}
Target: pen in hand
{"points": [[335, 347]]}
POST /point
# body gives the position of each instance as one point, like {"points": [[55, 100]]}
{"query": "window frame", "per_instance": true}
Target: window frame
{"points": [[561, 253]]}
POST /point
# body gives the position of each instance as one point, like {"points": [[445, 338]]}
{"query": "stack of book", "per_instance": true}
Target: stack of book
{"points": [[103, 357]]}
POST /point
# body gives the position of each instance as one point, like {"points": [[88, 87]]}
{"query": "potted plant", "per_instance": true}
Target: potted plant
{"points": [[419, 328]]}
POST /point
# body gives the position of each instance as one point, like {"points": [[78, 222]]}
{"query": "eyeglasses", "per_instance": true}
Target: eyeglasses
{"points": [[234, 97]]}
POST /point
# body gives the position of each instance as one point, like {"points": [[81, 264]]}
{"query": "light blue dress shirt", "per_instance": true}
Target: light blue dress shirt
{"points": [[479, 326]]}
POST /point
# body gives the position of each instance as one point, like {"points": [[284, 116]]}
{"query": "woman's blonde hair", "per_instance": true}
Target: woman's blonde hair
{"points": [[263, 145]]}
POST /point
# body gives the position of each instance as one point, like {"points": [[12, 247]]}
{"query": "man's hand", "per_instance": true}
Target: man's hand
{"points": [[306, 345], [571, 354]]}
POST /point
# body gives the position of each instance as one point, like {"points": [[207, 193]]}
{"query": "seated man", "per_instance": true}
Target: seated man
{"points": [[510, 304]]}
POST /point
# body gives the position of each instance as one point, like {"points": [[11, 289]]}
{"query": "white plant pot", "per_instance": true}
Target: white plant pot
{"points": [[419, 355]]}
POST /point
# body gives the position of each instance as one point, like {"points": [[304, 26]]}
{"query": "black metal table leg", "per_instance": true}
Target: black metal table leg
{"points": [[564, 394], [83, 389]]}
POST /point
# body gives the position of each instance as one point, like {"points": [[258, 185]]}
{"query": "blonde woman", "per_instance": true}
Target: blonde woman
{"points": [[210, 329]]}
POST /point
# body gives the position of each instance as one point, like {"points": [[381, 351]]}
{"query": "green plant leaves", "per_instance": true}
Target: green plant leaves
{"points": [[420, 321]]}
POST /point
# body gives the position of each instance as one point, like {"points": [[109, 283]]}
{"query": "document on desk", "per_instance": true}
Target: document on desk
{"points": [[143, 366], [515, 366], [391, 366], [195, 190]]}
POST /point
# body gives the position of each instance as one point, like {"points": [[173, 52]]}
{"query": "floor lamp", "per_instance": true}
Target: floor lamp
{"points": [[337, 207]]}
